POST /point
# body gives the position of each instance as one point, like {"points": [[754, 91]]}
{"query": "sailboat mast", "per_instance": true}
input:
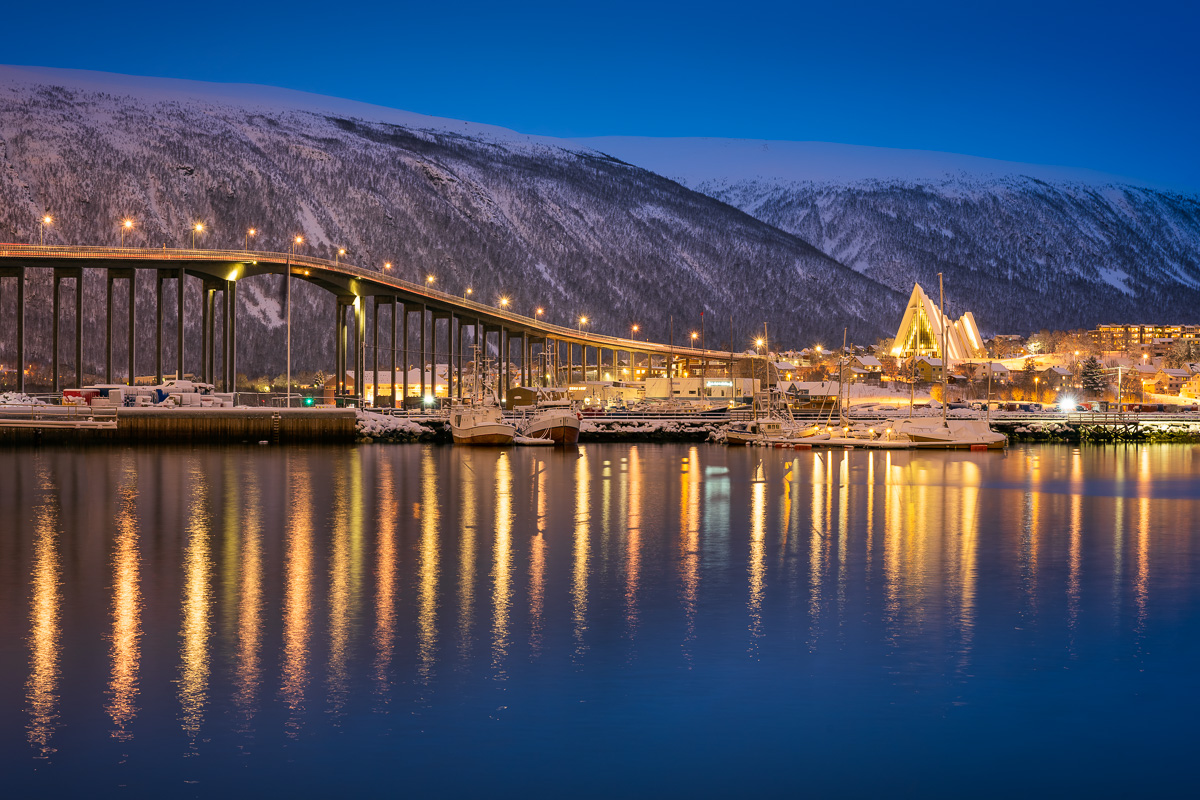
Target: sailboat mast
{"points": [[945, 355]]}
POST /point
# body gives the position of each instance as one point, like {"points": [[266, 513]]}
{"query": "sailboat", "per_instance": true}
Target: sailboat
{"points": [[479, 421]]}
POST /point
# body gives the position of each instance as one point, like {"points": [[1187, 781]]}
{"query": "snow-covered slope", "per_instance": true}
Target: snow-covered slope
{"points": [[1024, 246], [545, 224]]}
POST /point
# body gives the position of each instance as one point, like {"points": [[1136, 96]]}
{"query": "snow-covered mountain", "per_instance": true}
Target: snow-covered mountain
{"points": [[544, 223], [806, 237], [1024, 246]]}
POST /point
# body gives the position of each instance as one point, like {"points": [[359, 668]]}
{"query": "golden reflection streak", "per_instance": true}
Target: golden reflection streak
{"points": [[197, 612], [1142, 586], [579, 577], [689, 542], [250, 605], [125, 651], [386, 504], [633, 542], [502, 564], [466, 559], [843, 533], [1074, 561], [816, 542], [893, 526], [428, 567], [41, 690], [537, 565], [870, 513], [297, 599], [343, 574], [968, 548], [757, 566]]}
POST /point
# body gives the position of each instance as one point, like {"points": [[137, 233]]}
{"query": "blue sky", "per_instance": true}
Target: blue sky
{"points": [[1109, 87]]}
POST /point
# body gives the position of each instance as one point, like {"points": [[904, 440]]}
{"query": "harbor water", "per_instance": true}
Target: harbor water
{"points": [[623, 620]]}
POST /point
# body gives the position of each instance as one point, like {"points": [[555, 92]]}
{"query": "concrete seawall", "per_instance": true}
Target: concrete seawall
{"points": [[201, 426]]}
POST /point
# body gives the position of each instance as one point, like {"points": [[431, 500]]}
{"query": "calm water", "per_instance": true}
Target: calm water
{"points": [[623, 621]]}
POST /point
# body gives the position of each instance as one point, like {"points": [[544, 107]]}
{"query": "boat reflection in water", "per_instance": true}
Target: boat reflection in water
{"points": [[294, 617]]}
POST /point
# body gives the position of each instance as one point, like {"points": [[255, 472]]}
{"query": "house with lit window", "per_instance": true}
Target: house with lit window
{"points": [[1169, 381]]}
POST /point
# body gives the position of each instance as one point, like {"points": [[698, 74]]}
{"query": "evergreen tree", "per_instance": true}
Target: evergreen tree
{"points": [[1091, 376]]}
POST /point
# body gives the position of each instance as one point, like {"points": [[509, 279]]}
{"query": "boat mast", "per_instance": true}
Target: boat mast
{"points": [[945, 355]]}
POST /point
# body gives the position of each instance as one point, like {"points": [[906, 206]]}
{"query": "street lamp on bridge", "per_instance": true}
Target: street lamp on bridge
{"points": [[504, 302], [387, 265], [126, 225], [341, 251], [429, 280], [538, 313], [633, 329], [250, 234], [297, 240], [46, 220], [197, 228], [582, 322]]}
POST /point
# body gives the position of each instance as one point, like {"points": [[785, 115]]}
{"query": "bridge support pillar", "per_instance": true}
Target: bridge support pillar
{"points": [[19, 274], [181, 284], [230, 340], [360, 352], [158, 330], [395, 303], [421, 330], [61, 274], [375, 352]]}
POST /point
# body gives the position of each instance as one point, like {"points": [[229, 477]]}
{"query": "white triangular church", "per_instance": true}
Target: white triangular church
{"points": [[920, 332]]}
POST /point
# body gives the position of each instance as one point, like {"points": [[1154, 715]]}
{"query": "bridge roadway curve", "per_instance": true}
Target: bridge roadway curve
{"points": [[220, 270]]}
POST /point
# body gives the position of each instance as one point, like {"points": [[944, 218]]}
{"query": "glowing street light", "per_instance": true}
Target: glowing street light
{"points": [[633, 329], [295, 241], [46, 220], [429, 280], [197, 228], [250, 234], [582, 322], [341, 251], [468, 292], [126, 225], [387, 265], [695, 336], [539, 312], [504, 302]]}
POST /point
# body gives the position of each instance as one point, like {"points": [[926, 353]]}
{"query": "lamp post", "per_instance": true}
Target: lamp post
{"points": [[46, 220], [582, 322], [538, 312], [429, 280], [387, 265], [126, 225], [197, 228], [297, 239], [467, 294], [633, 329], [250, 234], [504, 303], [341, 251]]}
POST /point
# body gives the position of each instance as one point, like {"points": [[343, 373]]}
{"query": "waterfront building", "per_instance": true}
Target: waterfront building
{"points": [[1115, 337], [921, 332]]}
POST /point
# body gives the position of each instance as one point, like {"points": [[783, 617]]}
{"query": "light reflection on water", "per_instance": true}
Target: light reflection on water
{"points": [[404, 581]]}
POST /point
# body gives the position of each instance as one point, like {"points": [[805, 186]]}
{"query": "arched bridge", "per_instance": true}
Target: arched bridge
{"points": [[354, 288]]}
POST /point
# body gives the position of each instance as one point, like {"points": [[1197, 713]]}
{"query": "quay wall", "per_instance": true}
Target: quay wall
{"points": [[201, 426]]}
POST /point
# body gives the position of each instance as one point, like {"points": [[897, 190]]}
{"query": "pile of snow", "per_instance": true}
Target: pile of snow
{"points": [[384, 426], [18, 399]]}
